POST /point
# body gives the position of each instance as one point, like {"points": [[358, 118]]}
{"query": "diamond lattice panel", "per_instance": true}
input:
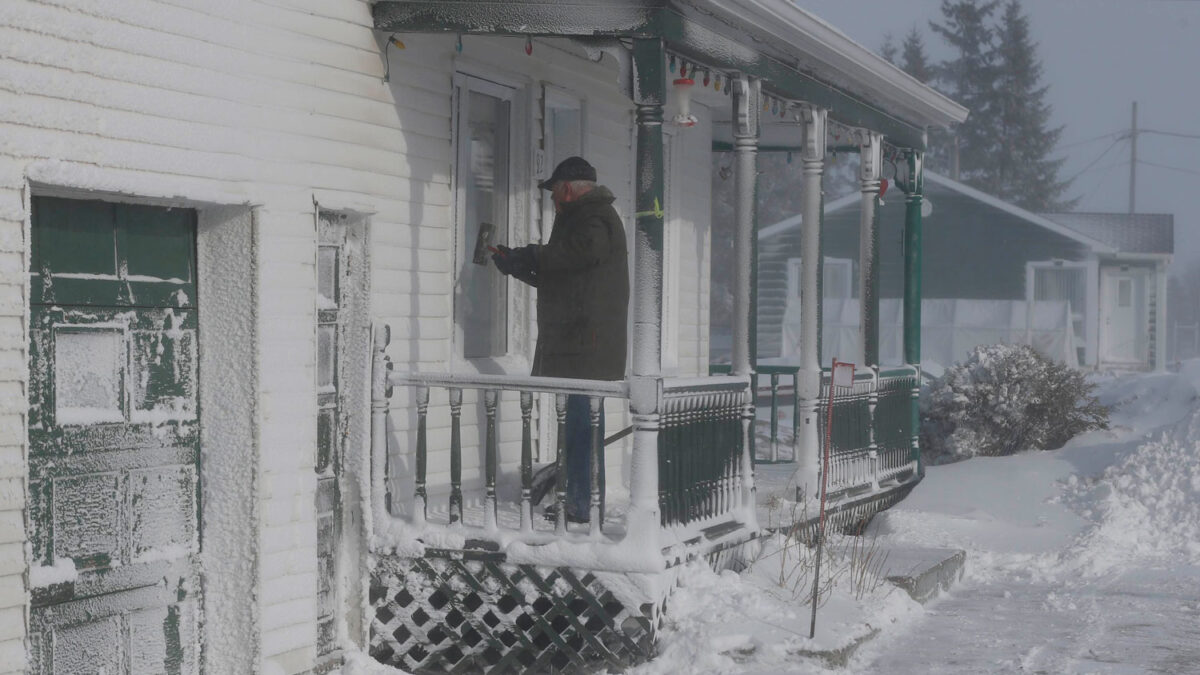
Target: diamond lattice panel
{"points": [[447, 614]]}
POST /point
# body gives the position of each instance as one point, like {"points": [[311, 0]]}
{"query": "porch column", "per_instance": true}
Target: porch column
{"points": [[912, 289], [1160, 317], [746, 102], [808, 447], [871, 156], [649, 93], [745, 168]]}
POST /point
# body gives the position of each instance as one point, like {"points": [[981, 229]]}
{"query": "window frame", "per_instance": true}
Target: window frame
{"points": [[517, 355]]}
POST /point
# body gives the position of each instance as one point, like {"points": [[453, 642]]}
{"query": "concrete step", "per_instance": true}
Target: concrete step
{"points": [[921, 572], [924, 572]]}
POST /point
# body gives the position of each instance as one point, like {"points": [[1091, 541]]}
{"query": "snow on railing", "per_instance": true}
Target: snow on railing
{"points": [[704, 474]]}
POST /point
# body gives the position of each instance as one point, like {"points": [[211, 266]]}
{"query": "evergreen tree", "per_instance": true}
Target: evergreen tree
{"points": [[888, 49], [1024, 174], [969, 77], [912, 56]]}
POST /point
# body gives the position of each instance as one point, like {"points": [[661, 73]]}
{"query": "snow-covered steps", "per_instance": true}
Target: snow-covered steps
{"points": [[923, 572]]}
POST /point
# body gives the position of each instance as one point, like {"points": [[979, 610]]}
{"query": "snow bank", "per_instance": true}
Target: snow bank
{"points": [[757, 622], [1146, 506]]}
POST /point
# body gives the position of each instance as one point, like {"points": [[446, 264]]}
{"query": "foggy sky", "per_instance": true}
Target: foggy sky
{"points": [[1098, 56]]}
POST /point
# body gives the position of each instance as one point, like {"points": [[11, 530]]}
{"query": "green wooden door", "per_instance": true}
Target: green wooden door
{"points": [[113, 439]]}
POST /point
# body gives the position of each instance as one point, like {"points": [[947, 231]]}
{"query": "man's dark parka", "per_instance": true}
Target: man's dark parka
{"points": [[583, 292]]}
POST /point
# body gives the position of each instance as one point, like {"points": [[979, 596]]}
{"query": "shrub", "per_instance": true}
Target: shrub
{"points": [[1004, 399]]}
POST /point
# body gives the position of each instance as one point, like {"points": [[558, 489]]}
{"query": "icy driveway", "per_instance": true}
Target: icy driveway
{"points": [[1083, 560]]}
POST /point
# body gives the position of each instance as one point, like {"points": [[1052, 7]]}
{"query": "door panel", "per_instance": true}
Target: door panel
{"points": [[1124, 328], [114, 443]]}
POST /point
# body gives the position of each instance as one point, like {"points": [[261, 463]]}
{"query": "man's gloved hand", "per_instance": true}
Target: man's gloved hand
{"points": [[519, 262], [503, 258]]}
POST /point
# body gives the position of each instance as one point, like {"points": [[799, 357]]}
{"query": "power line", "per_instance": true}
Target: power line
{"points": [[1097, 160], [1085, 141], [1176, 134], [1172, 168], [1100, 182]]}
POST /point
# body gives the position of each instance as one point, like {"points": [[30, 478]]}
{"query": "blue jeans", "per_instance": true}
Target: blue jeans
{"points": [[579, 456]]}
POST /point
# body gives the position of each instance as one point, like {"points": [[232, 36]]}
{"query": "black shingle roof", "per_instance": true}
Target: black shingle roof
{"points": [[1128, 233]]}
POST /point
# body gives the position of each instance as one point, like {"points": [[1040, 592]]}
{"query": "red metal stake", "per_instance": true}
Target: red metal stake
{"points": [[812, 628]]}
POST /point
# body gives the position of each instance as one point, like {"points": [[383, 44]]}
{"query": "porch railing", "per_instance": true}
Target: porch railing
{"points": [[871, 439], [704, 473], [701, 473], [778, 376]]}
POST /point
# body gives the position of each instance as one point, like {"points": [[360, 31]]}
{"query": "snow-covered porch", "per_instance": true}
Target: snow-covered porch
{"points": [[465, 573]]}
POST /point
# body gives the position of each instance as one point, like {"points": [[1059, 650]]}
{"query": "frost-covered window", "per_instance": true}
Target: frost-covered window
{"points": [[332, 316], [483, 134]]}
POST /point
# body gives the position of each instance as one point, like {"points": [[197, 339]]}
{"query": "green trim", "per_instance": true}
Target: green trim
{"points": [[912, 295], [912, 267], [650, 87], [732, 49]]}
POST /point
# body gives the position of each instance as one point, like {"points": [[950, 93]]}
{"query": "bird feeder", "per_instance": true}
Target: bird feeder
{"points": [[683, 96]]}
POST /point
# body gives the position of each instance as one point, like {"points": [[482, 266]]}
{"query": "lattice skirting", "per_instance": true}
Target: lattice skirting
{"points": [[443, 613]]}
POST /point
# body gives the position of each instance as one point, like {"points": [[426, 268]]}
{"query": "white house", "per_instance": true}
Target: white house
{"points": [[206, 208]]}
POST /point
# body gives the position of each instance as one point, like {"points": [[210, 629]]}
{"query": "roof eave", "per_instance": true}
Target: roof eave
{"points": [[873, 95], [794, 25]]}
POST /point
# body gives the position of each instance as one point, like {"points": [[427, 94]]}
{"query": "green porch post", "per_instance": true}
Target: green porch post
{"points": [[649, 93], [912, 290]]}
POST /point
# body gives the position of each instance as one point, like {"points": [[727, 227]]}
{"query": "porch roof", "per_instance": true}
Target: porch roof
{"points": [[798, 56]]}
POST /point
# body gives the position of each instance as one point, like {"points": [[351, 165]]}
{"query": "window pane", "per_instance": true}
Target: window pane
{"points": [[1125, 293], [87, 376], [326, 438], [327, 270], [483, 177], [326, 357], [564, 126]]}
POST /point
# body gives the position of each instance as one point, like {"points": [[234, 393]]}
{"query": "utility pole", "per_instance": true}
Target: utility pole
{"points": [[1133, 134], [954, 159]]}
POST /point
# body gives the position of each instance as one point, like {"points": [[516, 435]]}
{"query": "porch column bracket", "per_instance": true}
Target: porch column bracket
{"points": [[871, 158], [645, 393], [808, 440]]}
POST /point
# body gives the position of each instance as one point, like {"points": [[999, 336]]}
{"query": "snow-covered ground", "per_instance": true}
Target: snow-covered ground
{"points": [[1079, 560]]}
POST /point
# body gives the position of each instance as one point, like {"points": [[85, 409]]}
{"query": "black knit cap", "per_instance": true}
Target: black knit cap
{"points": [[571, 168]]}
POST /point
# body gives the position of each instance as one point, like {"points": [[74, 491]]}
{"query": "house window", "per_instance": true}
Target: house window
{"points": [[1125, 293], [483, 120], [563, 128]]}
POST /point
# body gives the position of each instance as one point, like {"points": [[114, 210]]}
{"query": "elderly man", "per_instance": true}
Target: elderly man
{"points": [[582, 277]]}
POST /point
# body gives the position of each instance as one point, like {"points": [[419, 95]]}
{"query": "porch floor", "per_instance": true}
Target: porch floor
{"points": [[508, 515]]}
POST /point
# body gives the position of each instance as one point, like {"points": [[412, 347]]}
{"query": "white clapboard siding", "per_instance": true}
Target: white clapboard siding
{"points": [[275, 104]]}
